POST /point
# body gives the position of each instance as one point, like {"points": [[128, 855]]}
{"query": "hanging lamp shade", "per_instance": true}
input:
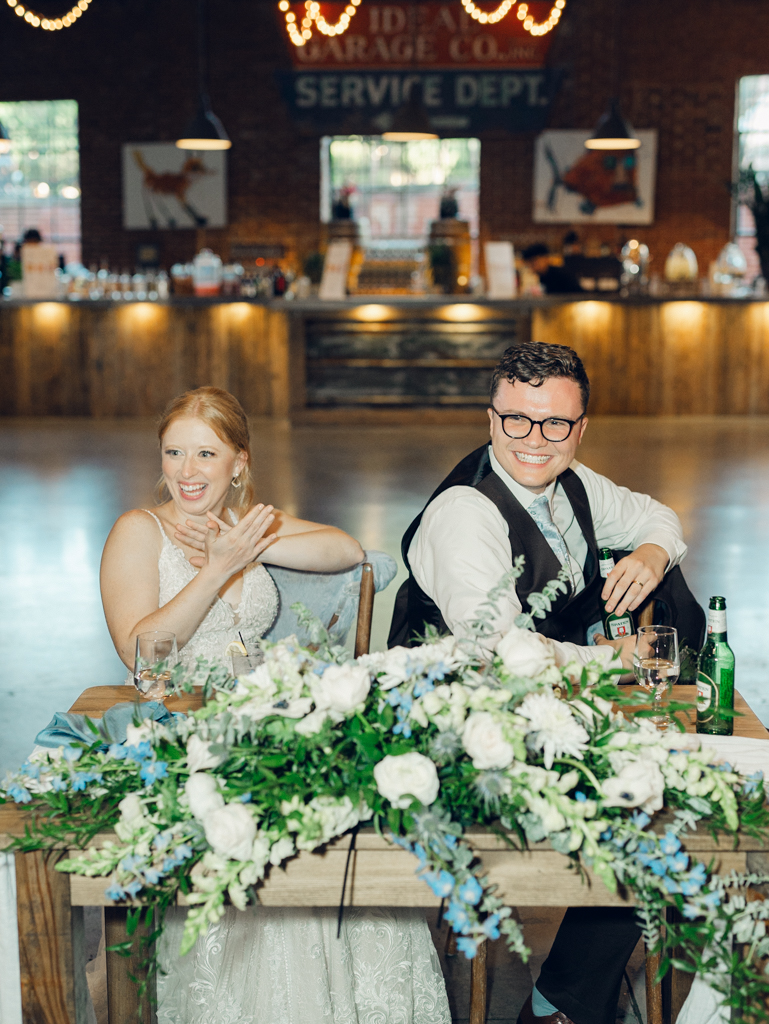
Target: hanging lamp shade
{"points": [[204, 131], [612, 131], [5, 139], [410, 122]]}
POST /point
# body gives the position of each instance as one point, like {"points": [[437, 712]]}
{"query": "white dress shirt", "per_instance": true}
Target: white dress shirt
{"points": [[462, 547]]}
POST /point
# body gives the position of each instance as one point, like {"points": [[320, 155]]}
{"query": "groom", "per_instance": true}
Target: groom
{"points": [[525, 494]]}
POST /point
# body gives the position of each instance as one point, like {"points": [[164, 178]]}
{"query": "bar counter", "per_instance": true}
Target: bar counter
{"points": [[380, 359]]}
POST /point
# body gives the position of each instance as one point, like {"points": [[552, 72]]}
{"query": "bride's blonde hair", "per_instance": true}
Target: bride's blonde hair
{"points": [[223, 413]]}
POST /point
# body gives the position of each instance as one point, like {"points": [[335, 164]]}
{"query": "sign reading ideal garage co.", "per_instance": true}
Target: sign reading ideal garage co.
{"points": [[469, 76]]}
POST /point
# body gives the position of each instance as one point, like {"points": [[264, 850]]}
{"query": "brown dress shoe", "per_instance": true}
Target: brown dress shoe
{"points": [[526, 1016]]}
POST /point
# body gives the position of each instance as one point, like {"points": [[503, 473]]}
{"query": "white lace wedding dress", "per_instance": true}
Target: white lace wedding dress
{"points": [[270, 965]]}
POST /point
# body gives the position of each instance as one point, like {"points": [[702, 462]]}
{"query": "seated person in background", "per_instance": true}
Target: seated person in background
{"points": [[555, 280], [526, 494]]}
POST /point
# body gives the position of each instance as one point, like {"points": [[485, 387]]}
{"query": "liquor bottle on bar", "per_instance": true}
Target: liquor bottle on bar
{"points": [[615, 627], [715, 675]]}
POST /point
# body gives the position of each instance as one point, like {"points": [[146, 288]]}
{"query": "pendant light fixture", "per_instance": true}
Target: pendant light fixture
{"points": [[612, 131], [410, 122], [205, 130], [5, 139]]}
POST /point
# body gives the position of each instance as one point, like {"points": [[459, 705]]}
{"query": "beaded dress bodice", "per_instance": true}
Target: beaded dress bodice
{"points": [[223, 623]]}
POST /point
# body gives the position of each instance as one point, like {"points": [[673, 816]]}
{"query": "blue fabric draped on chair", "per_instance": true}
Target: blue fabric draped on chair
{"points": [[327, 594]]}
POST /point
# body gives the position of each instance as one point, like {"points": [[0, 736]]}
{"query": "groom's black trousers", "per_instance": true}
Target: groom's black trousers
{"points": [[583, 973]]}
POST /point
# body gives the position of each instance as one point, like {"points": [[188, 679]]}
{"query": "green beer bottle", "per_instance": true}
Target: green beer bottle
{"points": [[615, 627], [715, 675]]}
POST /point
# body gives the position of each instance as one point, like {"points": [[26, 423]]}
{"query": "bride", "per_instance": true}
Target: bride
{"points": [[193, 566]]}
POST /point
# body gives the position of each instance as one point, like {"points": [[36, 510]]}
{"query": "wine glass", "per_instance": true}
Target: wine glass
{"points": [[656, 665], [156, 655]]}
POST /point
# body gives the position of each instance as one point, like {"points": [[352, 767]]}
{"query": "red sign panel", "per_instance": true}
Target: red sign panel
{"points": [[437, 35]]}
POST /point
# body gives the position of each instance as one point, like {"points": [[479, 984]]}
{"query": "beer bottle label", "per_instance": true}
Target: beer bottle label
{"points": [[605, 566], [620, 627], [705, 690], [716, 620]]}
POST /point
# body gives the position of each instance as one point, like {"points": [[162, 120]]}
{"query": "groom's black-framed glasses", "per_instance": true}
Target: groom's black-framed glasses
{"points": [[554, 428]]}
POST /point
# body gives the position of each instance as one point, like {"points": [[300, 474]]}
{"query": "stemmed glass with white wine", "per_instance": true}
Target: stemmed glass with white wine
{"points": [[656, 665], [156, 655]]}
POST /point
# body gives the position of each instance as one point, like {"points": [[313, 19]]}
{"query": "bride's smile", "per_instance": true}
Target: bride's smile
{"points": [[198, 467]]}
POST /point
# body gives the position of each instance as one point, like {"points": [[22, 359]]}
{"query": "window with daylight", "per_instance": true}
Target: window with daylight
{"points": [[395, 188], [40, 176], [752, 150]]}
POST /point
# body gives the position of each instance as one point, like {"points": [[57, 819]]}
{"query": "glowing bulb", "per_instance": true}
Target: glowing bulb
{"points": [[283, 5], [20, 10], [290, 17]]}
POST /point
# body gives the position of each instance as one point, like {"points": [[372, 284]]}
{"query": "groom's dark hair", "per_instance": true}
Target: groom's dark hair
{"points": [[534, 362]]}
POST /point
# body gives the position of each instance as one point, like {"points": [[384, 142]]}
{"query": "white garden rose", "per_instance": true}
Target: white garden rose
{"points": [[341, 688], [131, 809], [231, 831], [312, 723], [639, 784], [525, 653], [484, 740], [203, 794], [400, 777], [199, 756], [136, 734]]}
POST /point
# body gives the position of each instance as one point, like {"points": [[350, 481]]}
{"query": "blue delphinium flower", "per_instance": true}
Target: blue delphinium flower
{"points": [[182, 852], [119, 751], [490, 926], [471, 891], [467, 946], [450, 840], [133, 888], [245, 798], [690, 912], [457, 916], [153, 771], [72, 754], [753, 783], [140, 752], [131, 862], [420, 854], [580, 797], [712, 900], [32, 771], [81, 779], [442, 883], [19, 793], [115, 892], [58, 784], [152, 876], [161, 840], [670, 843], [640, 819], [680, 862]]}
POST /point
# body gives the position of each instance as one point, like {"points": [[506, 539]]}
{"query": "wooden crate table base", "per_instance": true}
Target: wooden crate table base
{"points": [[50, 903]]}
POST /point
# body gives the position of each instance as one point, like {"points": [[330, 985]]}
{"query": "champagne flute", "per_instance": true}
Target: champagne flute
{"points": [[156, 655], [656, 665]]}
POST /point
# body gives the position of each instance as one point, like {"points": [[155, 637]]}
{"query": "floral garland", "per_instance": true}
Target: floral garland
{"points": [[423, 742]]}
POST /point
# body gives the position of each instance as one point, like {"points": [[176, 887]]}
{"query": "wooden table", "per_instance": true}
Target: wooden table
{"points": [[50, 903]]}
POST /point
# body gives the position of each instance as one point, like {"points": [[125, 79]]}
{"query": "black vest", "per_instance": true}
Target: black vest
{"points": [[571, 614]]}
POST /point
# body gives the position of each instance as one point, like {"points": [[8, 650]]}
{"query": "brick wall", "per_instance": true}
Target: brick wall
{"points": [[130, 64]]}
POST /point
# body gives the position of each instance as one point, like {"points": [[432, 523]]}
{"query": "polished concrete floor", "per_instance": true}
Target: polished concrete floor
{"points": [[64, 482]]}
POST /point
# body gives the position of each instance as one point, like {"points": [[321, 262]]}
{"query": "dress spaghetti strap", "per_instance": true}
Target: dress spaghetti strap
{"points": [[163, 533]]}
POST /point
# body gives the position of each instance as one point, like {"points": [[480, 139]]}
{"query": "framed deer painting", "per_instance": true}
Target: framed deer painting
{"points": [[166, 187]]}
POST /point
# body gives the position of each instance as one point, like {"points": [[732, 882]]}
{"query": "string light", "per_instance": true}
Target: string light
{"points": [[49, 24], [533, 27], [300, 32]]}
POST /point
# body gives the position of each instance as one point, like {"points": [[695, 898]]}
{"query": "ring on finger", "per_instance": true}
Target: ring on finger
{"points": [[638, 583]]}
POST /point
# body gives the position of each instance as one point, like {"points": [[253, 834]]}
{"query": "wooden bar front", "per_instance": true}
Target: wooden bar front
{"points": [[379, 360]]}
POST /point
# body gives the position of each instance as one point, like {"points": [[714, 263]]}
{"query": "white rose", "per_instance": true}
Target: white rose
{"points": [[131, 809], [203, 794], [433, 702], [484, 740], [231, 831], [402, 776], [199, 756], [136, 734], [525, 653], [314, 722], [341, 688], [639, 784], [395, 666]]}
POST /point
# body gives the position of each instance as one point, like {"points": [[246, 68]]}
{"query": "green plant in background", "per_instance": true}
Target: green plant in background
{"points": [[313, 266], [443, 266]]}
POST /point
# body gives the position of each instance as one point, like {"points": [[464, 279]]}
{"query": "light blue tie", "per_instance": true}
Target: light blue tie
{"points": [[539, 510]]}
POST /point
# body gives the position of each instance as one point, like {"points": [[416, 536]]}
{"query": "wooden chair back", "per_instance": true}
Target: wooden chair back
{"points": [[365, 610]]}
